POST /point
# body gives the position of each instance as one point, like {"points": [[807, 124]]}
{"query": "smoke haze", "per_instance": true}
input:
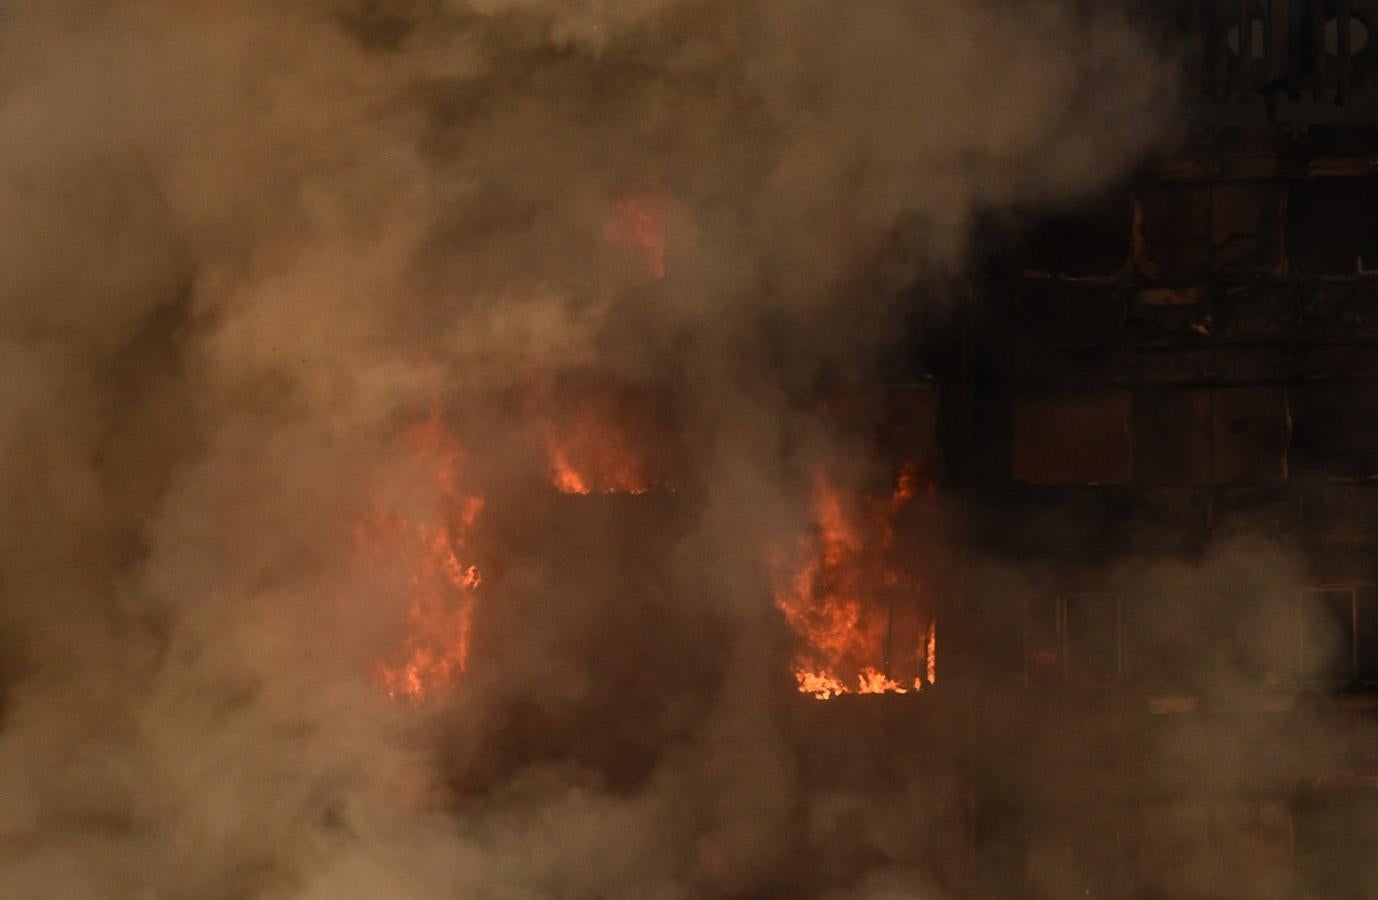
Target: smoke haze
{"points": [[245, 248]]}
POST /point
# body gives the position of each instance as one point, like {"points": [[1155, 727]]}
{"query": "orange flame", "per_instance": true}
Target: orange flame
{"points": [[931, 652], [592, 455], [441, 583], [844, 598], [609, 469]]}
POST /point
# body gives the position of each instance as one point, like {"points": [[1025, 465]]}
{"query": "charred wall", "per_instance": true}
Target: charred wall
{"points": [[1158, 466], [1187, 364]]}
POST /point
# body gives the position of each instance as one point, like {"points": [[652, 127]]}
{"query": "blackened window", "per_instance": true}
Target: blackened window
{"points": [[1172, 436], [1332, 224], [1250, 435], [1092, 241], [1072, 438], [1077, 638], [1334, 430], [1337, 634], [1226, 435]]}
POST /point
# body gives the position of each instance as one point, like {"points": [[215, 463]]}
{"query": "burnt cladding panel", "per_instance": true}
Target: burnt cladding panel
{"points": [[1247, 226], [1079, 438], [1172, 231], [1172, 436], [1331, 225], [1340, 311], [1326, 646], [1092, 241], [1183, 231], [1250, 435], [1334, 430]]}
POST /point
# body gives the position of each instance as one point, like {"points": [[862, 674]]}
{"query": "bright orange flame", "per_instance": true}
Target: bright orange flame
{"points": [[563, 475], [844, 598], [874, 682], [638, 224], [931, 652], [441, 582], [819, 684]]}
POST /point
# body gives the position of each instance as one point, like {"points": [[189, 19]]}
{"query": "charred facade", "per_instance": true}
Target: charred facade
{"points": [[689, 448], [1159, 427]]}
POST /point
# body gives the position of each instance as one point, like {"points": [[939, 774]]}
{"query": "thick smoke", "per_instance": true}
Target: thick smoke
{"points": [[245, 247]]}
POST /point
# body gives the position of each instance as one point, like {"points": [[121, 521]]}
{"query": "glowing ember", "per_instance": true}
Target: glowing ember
{"points": [[848, 603], [441, 583], [638, 224]]}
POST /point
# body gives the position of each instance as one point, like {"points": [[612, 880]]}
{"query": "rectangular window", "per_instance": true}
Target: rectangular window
{"points": [[1247, 226], [1044, 651], [1223, 435], [1095, 646], [1093, 241], [1250, 435], [1337, 634], [1237, 847], [1172, 231], [1172, 436], [1165, 649], [1077, 638], [1332, 225], [1334, 430]]}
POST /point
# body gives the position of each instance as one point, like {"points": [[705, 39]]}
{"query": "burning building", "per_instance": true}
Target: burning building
{"points": [[688, 449]]}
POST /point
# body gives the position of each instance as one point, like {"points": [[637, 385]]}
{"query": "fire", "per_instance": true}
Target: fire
{"points": [[441, 581], [931, 652], [871, 681], [590, 449], [589, 461], [848, 602], [638, 224], [820, 684]]}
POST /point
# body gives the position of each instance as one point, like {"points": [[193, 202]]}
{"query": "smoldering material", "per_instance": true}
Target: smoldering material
{"points": [[243, 245]]}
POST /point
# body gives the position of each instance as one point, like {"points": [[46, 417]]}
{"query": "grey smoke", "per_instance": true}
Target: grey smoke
{"points": [[242, 244]]}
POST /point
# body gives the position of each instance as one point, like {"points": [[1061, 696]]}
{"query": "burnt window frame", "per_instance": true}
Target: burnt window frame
{"points": [[1063, 609], [1359, 592]]}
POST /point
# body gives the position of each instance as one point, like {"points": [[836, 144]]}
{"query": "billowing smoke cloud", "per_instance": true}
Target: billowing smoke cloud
{"points": [[245, 247]]}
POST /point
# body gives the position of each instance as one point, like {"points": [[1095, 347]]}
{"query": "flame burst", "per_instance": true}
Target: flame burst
{"points": [[593, 455], [590, 469], [441, 583], [848, 603]]}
